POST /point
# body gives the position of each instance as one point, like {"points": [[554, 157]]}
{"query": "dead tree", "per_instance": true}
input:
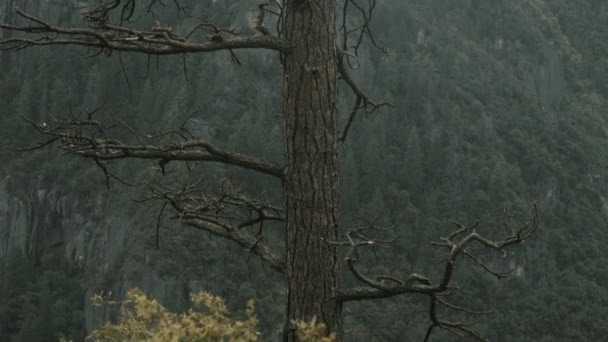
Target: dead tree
{"points": [[318, 42]]}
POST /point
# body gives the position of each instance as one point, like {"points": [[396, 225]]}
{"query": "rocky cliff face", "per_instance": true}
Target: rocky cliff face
{"points": [[45, 222]]}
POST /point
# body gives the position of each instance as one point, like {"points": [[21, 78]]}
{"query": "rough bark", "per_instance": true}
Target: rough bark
{"points": [[311, 64], [311, 185]]}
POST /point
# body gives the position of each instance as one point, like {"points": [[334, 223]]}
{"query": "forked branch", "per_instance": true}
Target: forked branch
{"points": [[354, 27], [362, 100], [458, 243]]}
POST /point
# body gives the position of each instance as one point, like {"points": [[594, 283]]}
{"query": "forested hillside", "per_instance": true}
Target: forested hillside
{"points": [[497, 103]]}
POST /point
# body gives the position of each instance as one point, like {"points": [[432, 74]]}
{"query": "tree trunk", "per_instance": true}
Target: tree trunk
{"points": [[311, 187]]}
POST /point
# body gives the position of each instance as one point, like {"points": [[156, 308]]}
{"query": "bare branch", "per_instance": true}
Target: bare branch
{"points": [[226, 212], [38, 146], [223, 214], [457, 328], [362, 100], [458, 243], [160, 216], [420, 284], [252, 245], [89, 138], [108, 38], [462, 309], [352, 37]]}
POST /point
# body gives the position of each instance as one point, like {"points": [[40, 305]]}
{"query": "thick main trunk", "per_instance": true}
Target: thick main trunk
{"points": [[311, 187]]}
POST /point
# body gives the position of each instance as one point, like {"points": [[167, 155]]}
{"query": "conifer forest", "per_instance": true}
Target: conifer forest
{"points": [[303, 170]]}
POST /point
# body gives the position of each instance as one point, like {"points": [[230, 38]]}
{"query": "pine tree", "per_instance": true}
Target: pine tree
{"points": [[313, 58]]}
